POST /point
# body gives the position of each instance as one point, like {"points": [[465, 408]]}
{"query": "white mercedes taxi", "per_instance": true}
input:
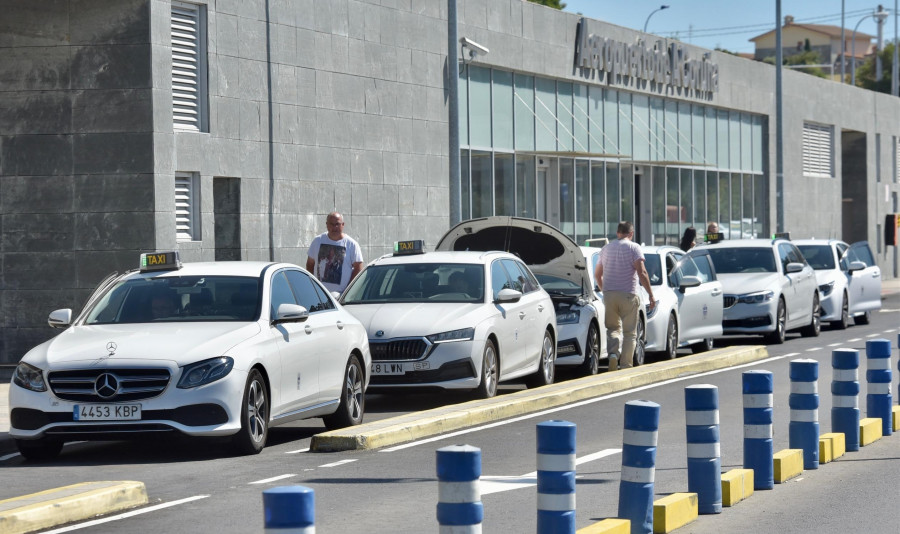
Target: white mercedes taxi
{"points": [[204, 349], [560, 268], [848, 277], [453, 320]]}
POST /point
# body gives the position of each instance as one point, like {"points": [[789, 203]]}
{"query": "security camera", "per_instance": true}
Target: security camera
{"points": [[474, 48]]}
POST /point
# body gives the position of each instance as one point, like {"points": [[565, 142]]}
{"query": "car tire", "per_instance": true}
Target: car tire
{"points": [[777, 337], [814, 328], [490, 372], [671, 350], [547, 366], [865, 318], [251, 438], [591, 363], [844, 321], [353, 399], [640, 344], [704, 346], [39, 450]]}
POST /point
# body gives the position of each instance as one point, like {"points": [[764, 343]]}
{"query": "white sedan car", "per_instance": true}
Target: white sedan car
{"points": [[561, 269], [848, 277], [453, 320], [204, 349]]}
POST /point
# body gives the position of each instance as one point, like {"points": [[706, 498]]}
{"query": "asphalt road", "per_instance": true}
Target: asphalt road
{"points": [[395, 490]]}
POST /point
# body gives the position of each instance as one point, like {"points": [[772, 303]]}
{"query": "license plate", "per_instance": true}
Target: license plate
{"points": [[107, 412], [387, 369]]}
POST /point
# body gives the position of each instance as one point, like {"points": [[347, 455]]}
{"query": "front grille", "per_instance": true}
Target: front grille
{"points": [[398, 350], [729, 301], [132, 384]]}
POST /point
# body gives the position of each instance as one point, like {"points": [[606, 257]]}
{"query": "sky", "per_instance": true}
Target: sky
{"points": [[729, 24]]}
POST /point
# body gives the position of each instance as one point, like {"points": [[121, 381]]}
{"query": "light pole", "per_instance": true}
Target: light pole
{"points": [[651, 14], [878, 15]]}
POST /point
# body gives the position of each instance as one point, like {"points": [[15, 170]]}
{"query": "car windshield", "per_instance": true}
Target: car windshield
{"points": [[558, 286], [654, 268], [731, 260], [178, 299], [417, 282], [819, 257]]}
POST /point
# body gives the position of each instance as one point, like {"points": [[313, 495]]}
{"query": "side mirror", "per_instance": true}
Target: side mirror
{"points": [[688, 281], [60, 318], [856, 266], [290, 313], [794, 267], [508, 295]]}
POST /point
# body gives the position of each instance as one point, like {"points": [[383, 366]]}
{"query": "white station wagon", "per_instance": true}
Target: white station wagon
{"points": [[204, 349]]}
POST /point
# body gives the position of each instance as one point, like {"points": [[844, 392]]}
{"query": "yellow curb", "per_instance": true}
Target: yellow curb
{"points": [[67, 504], [834, 443], [737, 485], [608, 526], [869, 430], [428, 423], [895, 412], [788, 464], [674, 511]]}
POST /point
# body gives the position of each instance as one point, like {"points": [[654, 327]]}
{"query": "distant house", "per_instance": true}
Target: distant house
{"points": [[824, 39]]}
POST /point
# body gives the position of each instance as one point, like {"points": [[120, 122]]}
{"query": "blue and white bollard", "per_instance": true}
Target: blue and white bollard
{"points": [[758, 388], [803, 431], [845, 396], [638, 465], [879, 376], [459, 508], [701, 404], [289, 509], [556, 477]]}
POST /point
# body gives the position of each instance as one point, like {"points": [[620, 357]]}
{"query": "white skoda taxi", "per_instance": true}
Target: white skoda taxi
{"points": [[453, 320], [204, 349]]}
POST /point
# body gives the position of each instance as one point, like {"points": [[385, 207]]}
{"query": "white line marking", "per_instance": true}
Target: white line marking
{"points": [[597, 455], [126, 515], [13, 455], [835, 345], [582, 403], [814, 349], [854, 340], [496, 484], [273, 479], [298, 451], [889, 331], [335, 464], [873, 335]]}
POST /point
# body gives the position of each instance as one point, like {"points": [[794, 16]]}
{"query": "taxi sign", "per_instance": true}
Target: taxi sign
{"points": [[160, 261], [713, 237], [782, 235], [405, 248]]}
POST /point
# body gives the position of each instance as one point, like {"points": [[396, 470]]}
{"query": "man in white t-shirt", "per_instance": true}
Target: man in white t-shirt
{"points": [[334, 257]]}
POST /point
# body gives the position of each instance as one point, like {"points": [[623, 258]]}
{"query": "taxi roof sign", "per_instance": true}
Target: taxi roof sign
{"points": [[160, 261], [782, 235], [405, 248], [713, 237]]}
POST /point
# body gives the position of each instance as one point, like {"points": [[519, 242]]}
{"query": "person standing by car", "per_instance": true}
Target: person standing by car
{"points": [[618, 272], [334, 257], [689, 239]]}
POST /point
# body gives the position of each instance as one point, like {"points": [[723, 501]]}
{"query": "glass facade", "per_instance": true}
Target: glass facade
{"points": [[584, 157]]}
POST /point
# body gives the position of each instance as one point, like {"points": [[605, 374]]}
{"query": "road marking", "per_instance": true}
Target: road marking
{"points": [[13, 455], [891, 330], [273, 479], [873, 335], [335, 464], [126, 515], [496, 484], [582, 403], [854, 340], [297, 451], [814, 349], [835, 345]]}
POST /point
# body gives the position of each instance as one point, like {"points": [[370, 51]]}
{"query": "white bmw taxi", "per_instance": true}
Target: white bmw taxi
{"points": [[204, 349], [453, 320]]}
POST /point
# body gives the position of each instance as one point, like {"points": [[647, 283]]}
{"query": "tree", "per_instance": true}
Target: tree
{"points": [[725, 50], [865, 72], [803, 58], [555, 4]]}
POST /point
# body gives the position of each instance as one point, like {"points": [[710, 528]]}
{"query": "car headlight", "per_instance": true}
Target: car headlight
{"points": [[29, 377], [568, 317], [463, 334], [757, 298], [202, 373], [825, 289]]}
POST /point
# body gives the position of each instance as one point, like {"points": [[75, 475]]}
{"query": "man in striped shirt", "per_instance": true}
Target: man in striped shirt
{"points": [[619, 270]]}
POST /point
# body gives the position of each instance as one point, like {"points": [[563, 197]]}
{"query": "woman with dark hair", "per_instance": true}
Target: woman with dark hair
{"points": [[689, 239]]}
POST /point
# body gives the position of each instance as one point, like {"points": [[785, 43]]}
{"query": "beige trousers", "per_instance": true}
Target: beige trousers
{"points": [[621, 326]]}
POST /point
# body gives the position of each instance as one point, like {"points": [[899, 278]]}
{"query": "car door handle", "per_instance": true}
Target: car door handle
{"points": [[308, 329], [540, 307], [521, 315], [340, 325], [716, 292]]}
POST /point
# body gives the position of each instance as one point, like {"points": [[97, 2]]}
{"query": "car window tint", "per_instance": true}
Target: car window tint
{"points": [[531, 283], [516, 279], [654, 268], [729, 260], [327, 302], [862, 253], [305, 289], [499, 278], [795, 255], [843, 256], [281, 292], [819, 257], [704, 268]]}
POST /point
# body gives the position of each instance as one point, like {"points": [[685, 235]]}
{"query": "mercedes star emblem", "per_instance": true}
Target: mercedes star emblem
{"points": [[106, 385], [111, 347]]}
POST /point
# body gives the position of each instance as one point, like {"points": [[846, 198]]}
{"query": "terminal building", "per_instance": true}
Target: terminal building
{"points": [[228, 129]]}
